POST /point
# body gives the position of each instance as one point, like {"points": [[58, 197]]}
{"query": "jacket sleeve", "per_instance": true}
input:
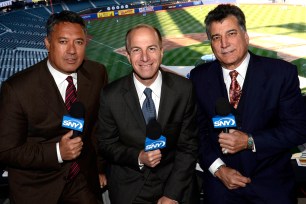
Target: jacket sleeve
{"points": [[288, 118], [16, 149], [108, 135]]}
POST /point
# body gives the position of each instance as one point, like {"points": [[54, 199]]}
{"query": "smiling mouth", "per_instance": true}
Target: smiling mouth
{"points": [[228, 52], [146, 66], [70, 60]]}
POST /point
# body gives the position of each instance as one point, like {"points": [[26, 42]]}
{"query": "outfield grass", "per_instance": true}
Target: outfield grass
{"points": [[108, 34]]}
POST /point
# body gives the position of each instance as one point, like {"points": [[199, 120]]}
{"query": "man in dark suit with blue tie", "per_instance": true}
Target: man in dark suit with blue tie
{"points": [[251, 163], [162, 176]]}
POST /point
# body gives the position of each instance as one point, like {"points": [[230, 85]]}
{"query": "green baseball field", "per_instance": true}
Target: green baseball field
{"points": [[275, 30]]}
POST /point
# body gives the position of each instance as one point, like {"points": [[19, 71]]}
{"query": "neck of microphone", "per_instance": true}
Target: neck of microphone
{"points": [[223, 110], [77, 110], [154, 139], [75, 120], [153, 130]]}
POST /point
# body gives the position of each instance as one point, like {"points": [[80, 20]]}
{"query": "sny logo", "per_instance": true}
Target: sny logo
{"points": [[73, 123], [155, 144], [223, 122]]}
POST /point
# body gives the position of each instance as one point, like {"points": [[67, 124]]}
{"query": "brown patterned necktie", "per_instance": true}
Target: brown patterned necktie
{"points": [[70, 98], [235, 89]]}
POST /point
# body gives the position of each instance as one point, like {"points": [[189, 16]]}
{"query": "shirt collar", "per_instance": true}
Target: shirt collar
{"points": [[58, 76], [155, 86], [241, 69]]}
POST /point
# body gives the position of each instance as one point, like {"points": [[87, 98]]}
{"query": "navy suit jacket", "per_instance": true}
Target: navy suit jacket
{"points": [[271, 108]]}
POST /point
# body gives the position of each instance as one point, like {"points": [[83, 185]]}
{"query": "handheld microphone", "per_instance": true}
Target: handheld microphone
{"points": [[224, 118], [75, 120], [154, 140]]}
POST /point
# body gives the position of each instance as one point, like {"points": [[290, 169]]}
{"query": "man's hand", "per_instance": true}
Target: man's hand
{"points": [[150, 158], [70, 148], [166, 200], [234, 141], [231, 178], [102, 180]]}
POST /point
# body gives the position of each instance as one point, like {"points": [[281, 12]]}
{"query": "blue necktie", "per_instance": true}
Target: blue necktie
{"points": [[148, 107]]}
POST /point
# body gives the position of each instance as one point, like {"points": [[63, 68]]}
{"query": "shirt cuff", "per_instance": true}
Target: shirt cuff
{"points": [[215, 166], [59, 157], [254, 148], [140, 165]]}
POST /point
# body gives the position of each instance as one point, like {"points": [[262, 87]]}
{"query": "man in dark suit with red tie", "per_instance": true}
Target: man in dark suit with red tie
{"points": [[38, 151], [251, 163], [163, 176]]}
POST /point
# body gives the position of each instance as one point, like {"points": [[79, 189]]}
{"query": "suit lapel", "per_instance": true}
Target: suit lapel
{"points": [[130, 96], [220, 91], [253, 87], [167, 99], [49, 91], [84, 86], [51, 95], [216, 87]]}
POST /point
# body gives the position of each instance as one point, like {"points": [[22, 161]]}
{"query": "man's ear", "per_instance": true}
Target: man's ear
{"points": [[47, 44], [128, 57]]}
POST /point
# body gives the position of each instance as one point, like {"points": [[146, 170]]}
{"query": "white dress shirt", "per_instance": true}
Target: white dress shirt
{"points": [[156, 91], [61, 83], [241, 69]]}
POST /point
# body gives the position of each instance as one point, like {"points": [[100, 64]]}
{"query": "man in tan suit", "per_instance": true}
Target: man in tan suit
{"points": [[37, 150]]}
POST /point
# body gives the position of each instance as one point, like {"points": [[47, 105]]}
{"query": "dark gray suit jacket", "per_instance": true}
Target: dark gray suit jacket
{"points": [[122, 130], [31, 110]]}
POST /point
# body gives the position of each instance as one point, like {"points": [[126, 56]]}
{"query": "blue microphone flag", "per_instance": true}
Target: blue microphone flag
{"points": [[224, 121], [155, 144], [73, 123]]}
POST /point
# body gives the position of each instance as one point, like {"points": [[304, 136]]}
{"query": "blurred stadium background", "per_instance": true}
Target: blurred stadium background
{"points": [[276, 27]]}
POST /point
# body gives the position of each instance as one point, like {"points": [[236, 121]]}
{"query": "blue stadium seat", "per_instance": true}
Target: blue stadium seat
{"points": [[78, 6]]}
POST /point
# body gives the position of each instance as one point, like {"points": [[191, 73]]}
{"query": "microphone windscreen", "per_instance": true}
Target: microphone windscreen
{"points": [[77, 110], [153, 130], [223, 107]]}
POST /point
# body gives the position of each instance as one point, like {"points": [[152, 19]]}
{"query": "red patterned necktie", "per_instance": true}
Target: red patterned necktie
{"points": [[70, 98], [71, 94], [235, 89]]}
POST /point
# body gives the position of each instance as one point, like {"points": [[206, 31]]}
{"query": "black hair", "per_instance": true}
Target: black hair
{"points": [[64, 16], [221, 12]]}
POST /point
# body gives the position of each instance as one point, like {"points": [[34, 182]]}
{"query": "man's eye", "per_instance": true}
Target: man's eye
{"points": [[62, 41], [216, 38], [152, 49], [135, 50], [232, 33], [79, 42]]}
